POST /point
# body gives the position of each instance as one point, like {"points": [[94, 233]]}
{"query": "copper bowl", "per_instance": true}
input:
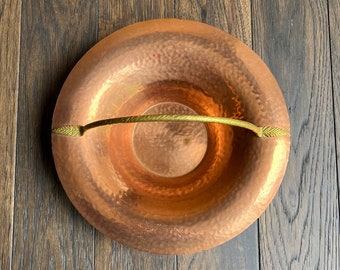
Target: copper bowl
{"points": [[178, 187]]}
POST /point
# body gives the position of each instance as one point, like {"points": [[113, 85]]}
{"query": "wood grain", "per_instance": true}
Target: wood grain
{"points": [[114, 15], [240, 252], [233, 17], [9, 69], [334, 25], [300, 229], [111, 255], [48, 233]]}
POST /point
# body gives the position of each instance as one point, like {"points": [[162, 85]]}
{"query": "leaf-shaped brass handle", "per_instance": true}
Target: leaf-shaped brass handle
{"points": [[262, 132]]}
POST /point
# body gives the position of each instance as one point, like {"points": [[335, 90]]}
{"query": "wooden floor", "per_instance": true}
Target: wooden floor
{"points": [[41, 40]]}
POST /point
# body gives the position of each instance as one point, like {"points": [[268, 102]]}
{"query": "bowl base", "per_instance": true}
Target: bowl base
{"points": [[170, 149]]}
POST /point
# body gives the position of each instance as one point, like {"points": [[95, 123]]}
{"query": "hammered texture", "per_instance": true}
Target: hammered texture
{"points": [[203, 202]]}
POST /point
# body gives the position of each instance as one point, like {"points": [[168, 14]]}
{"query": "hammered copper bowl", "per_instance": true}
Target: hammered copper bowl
{"points": [[170, 188]]}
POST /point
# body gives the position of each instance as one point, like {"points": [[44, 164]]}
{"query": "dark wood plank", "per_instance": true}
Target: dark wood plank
{"points": [[300, 229], [9, 67], [334, 24], [112, 255], [233, 17], [48, 232], [240, 252], [112, 16]]}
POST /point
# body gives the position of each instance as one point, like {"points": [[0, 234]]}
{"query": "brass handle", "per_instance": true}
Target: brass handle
{"points": [[262, 132]]}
